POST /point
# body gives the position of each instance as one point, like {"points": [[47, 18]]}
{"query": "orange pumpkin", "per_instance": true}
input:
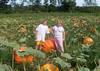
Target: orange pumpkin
{"points": [[25, 59], [49, 45], [29, 58], [19, 59], [49, 67], [88, 41], [22, 49]]}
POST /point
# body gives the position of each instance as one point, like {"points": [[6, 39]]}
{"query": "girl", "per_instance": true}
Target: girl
{"points": [[59, 35], [41, 31]]}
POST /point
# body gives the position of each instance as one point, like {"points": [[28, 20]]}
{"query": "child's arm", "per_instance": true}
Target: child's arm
{"points": [[64, 35], [52, 31], [48, 33], [35, 32]]}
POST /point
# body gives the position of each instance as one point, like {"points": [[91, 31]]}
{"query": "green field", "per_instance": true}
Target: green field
{"points": [[77, 27]]}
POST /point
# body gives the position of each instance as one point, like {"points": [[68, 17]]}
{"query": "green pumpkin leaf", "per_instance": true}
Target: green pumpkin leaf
{"points": [[12, 44], [81, 60], [39, 53], [23, 39], [97, 68], [66, 55], [1, 69], [31, 51], [62, 63], [83, 69], [85, 46], [5, 67]]}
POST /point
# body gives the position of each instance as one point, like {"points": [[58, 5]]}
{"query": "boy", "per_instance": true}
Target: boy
{"points": [[41, 32], [59, 35]]}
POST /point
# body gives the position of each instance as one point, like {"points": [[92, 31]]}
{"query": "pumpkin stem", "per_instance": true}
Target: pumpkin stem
{"points": [[12, 59], [24, 67]]}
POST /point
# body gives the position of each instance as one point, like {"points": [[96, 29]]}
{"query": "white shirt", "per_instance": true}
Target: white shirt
{"points": [[58, 31], [42, 30]]}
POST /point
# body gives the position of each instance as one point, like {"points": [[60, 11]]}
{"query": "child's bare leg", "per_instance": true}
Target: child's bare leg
{"points": [[60, 45], [40, 47], [37, 47], [61, 48]]}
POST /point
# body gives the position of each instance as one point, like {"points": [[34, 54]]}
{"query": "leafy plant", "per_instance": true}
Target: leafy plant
{"points": [[5, 67]]}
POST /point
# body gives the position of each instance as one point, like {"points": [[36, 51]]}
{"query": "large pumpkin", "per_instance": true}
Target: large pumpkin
{"points": [[49, 67], [49, 45], [88, 41], [25, 59]]}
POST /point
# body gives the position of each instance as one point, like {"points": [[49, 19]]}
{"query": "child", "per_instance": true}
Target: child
{"points": [[59, 35], [41, 32]]}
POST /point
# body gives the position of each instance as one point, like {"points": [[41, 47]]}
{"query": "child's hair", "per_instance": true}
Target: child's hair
{"points": [[44, 20], [59, 21]]}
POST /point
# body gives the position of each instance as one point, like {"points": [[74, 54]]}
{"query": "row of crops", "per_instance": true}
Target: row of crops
{"points": [[17, 43]]}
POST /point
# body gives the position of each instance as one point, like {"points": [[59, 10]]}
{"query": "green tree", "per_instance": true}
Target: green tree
{"points": [[59, 2], [3, 6], [90, 2], [37, 2], [46, 4], [53, 2], [23, 1], [32, 1], [13, 3], [3, 3], [68, 5]]}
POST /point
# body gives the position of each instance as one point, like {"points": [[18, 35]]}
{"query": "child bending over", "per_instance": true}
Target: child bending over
{"points": [[41, 31]]}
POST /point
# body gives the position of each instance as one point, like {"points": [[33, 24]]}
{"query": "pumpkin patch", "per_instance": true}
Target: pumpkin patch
{"points": [[79, 48]]}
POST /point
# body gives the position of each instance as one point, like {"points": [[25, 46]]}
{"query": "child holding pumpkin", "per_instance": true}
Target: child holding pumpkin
{"points": [[59, 35], [41, 31]]}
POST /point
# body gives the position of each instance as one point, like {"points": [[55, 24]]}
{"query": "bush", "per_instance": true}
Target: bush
{"points": [[88, 9]]}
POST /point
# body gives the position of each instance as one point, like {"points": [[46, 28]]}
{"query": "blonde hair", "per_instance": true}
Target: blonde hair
{"points": [[59, 21], [44, 20]]}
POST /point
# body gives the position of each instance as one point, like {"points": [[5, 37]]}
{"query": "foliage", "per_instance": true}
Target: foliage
{"points": [[11, 6], [68, 6], [86, 9], [3, 3], [5, 67], [62, 63], [84, 69], [77, 26], [97, 68]]}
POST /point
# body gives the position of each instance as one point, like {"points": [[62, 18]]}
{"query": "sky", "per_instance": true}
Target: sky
{"points": [[78, 2], [81, 2]]}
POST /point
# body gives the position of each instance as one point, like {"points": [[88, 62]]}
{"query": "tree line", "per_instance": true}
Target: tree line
{"points": [[9, 6]]}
